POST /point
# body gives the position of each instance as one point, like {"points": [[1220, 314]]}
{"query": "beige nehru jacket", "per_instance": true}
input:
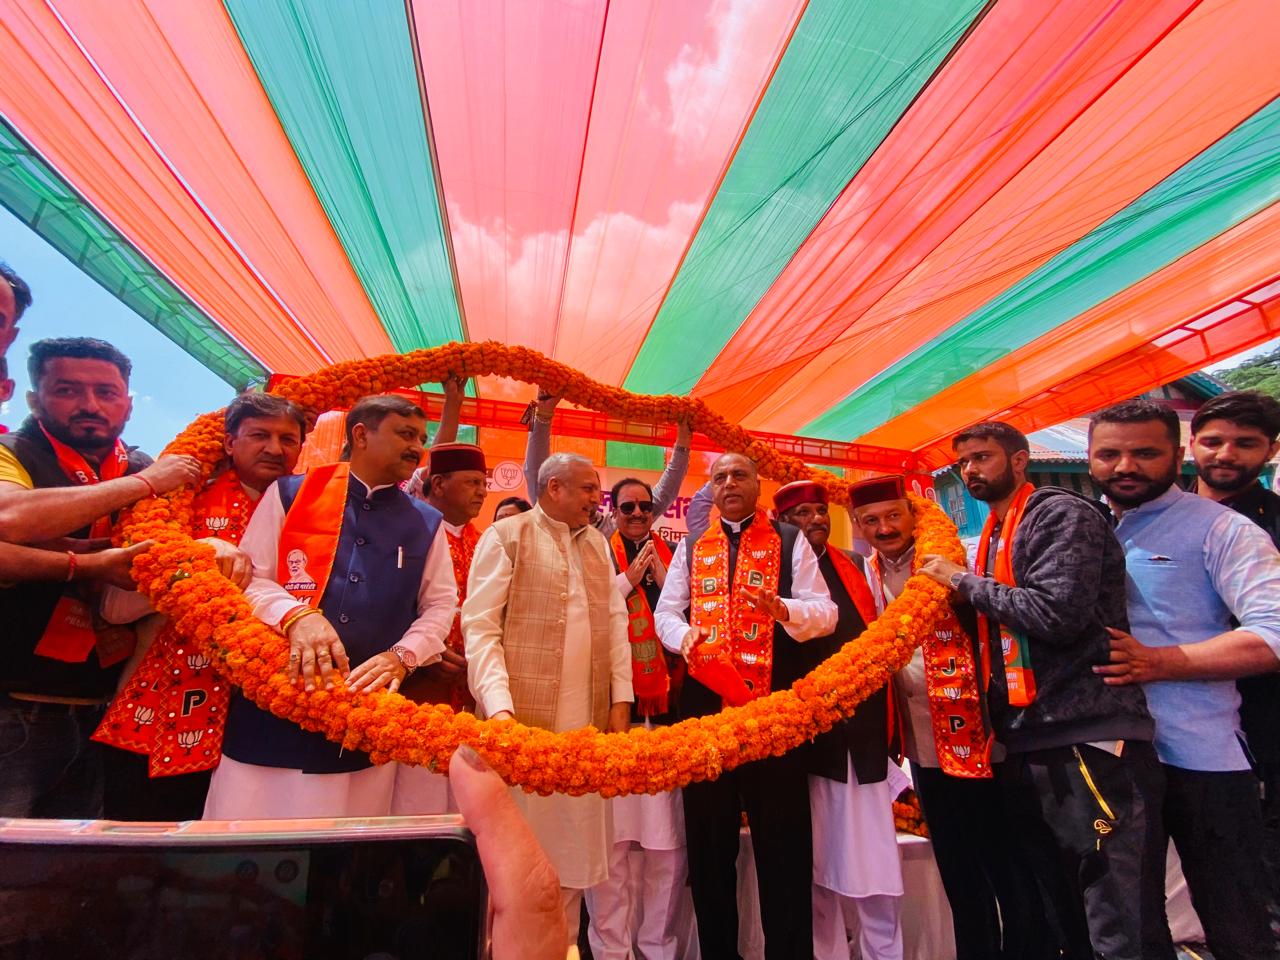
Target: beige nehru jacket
{"points": [[515, 619]]}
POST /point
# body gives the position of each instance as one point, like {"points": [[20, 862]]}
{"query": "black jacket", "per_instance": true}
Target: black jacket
{"points": [[25, 608], [1260, 696], [1070, 574]]}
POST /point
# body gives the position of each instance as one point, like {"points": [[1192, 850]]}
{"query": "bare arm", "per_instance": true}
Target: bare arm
{"points": [[33, 515], [1228, 656], [447, 432], [19, 563]]}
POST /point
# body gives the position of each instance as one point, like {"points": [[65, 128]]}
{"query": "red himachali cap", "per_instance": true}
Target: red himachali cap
{"points": [[798, 492], [876, 490], [449, 457]]}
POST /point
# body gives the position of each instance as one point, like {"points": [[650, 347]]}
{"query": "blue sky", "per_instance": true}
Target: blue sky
{"points": [[170, 389]]}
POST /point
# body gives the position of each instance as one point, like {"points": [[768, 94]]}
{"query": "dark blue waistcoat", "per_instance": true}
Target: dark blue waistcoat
{"points": [[369, 600]]}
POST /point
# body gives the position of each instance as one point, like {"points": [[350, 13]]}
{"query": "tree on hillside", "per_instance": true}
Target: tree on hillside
{"points": [[1259, 373]]}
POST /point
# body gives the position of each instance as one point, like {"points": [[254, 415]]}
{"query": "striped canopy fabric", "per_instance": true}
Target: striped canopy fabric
{"points": [[857, 220]]}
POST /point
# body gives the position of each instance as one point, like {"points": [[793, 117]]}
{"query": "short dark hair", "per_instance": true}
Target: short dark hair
{"points": [[626, 482], [253, 404], [1139, 410], [1244, 408], [21, 292], [1011, 439], [74, 348], [371, 411], [520, 503]]}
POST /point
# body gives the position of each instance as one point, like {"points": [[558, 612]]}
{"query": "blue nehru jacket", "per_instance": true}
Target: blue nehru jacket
{"points": [[1173, 600], [371, 600]]}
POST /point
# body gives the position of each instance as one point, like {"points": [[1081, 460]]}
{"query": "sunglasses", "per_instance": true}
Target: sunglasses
{"points": [[627, 509]]}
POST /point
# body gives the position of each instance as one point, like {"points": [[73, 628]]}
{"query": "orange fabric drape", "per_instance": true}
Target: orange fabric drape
{"points": [[1163, 327], [884, 274], [237, 227]]}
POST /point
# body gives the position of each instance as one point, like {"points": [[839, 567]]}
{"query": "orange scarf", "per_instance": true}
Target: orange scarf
{"points": [[952, 676], [649, 677], [1019, 678], [739, 633], [74, 629], [461, 550], [174, 707], [309, 538]]}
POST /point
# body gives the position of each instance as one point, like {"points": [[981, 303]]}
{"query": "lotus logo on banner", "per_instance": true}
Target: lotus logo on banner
{"points": [[507, 475]]}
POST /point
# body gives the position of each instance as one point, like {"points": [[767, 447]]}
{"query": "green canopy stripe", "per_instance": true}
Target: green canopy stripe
{"points": [[343, 82], [38, 196], [849, 73], [1221, 187]]}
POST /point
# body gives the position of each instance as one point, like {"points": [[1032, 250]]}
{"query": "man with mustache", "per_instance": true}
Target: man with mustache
{"points": [[546, 644], [946, 733], [1233, 437], [1204, 604], [65, 473], [151, 775], [378, 591], [1084, 775], [750, 590], [855, 846]]}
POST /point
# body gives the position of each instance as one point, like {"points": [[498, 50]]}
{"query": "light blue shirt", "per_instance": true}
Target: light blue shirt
{"points": [[1193, 565]]}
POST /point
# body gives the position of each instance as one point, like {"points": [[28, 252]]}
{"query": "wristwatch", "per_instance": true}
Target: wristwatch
{"points": [[956, 578], [406, 658]]}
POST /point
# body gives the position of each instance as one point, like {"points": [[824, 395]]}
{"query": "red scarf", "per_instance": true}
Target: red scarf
{"points": [[461, 550], [174, 707], [960, 731], [80, 472], [1019, 678], [75, 629], [649, 677], [740, 634]]}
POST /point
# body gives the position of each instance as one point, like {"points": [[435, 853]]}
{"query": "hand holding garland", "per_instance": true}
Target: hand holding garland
{"points": [[184, 583]]}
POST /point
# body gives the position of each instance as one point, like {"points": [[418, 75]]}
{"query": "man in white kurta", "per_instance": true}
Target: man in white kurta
{"points": [[546, 643]]}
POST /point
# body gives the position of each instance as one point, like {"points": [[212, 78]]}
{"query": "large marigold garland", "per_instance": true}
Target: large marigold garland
{"points": [[183, 582]]}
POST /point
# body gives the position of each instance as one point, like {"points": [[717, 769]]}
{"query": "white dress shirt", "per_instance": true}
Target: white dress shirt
{"points": [[483, 615], [810, 609], [437, 593]]}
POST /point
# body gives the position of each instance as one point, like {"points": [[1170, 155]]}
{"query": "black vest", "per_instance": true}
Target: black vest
{"points": [[371, 599], [1260, 696], [864, 736], [788, 655], [25, 608]]}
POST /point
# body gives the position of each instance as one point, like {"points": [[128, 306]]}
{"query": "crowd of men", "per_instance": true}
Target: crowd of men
{"points": [[1105, 682]]}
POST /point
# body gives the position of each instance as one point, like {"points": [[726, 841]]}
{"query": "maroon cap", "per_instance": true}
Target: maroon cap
{"points": [[449, 457], [798, 492], [876, 490]]}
